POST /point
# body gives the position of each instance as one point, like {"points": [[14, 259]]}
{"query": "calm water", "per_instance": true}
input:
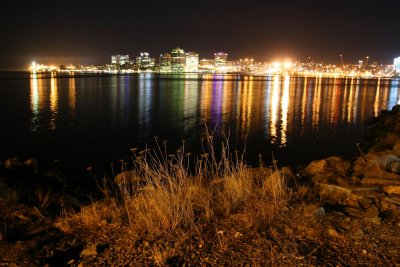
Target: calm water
{"points": [[95, 120]]}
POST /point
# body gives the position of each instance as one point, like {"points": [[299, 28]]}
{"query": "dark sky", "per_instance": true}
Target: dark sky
{"points": [[88, 32]]}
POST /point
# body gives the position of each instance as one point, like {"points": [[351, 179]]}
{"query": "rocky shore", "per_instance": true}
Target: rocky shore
{"points": [[333, 212]]}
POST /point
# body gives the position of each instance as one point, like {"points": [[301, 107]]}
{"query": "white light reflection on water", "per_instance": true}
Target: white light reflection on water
{"points": [[274, 108], [376, 103], [53, 102], [34, 101], [72, 96], [285, 109], [145, 93]]}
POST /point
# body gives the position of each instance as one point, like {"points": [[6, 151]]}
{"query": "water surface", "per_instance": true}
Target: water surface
{"points": [[95, 120]]}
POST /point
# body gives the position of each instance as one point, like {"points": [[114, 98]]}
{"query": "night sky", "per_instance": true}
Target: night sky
{"points": [[88, 32]]}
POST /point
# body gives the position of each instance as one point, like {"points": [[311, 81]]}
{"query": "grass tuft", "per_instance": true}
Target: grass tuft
{"points": [[163, 193]]}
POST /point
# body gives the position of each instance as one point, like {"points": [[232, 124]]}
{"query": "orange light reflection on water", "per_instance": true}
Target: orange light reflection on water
{"points": [[53, 102], [285, 109]]}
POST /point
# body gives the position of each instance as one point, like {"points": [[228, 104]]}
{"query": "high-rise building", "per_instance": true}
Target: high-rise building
{"points": [[396, 65], [178, 60], [192, 62], [144, 61], [165, 62], [120, 59], [220, 59]]}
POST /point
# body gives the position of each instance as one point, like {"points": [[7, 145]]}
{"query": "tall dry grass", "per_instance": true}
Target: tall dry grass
{"points": [[163, 192]]}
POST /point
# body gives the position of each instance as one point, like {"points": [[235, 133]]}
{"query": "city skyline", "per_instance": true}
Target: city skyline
{"points": [[179, 61], [87, 33]]}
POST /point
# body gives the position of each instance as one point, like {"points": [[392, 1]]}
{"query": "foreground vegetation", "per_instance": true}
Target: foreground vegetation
{"points": [[213, 209], [162, 195]]}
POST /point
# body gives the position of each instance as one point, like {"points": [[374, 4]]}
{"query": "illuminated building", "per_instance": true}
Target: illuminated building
{"points": [[145, 62], [246, 64], [206, 65], [220, 59], [178, 60], [192, 62], [119, 59], [165, 62], [42, 68], [233, 66], [396, 65]]}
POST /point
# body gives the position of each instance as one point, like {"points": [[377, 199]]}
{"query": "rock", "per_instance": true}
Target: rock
{"points": [[339, 166], [90, 251], [314, 210], [325, 178], [379, 182], [7, 195], [333, 233], [372, 215], [396, 149], [384, 205], [335, 165], [388, 141], [373, 170], [376, 165], [316, 166], [32, 164], [356, 213], [359, 166], [127, 177], [12, 163], [393, 200], [336, 195], [392, 190]]}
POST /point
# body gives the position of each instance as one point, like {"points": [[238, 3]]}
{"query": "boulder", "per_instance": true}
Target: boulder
{"points": [[335, 165], [335, 195], [377, 165], [339, 166], [392, 190], [352, 181], [379, 182], [332, 178], [316, 166]]}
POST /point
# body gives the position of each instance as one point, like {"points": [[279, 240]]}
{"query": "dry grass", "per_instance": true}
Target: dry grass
{"points": [[43, 197], [178, 191]]}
